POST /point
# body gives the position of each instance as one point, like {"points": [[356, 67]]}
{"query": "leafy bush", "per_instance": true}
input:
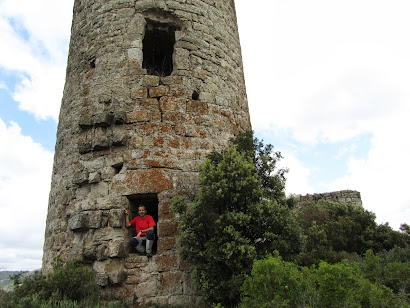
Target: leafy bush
{"points": [[71, 281], [334, 230], [276, 283], [240, 214], [69, 286], [388, 269]]}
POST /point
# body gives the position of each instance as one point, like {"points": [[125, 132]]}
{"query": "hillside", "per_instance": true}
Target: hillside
{"points": [[6, 283]]}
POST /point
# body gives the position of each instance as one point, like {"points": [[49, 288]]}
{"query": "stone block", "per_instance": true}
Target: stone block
{"points": [[116, 248], [95, 219], [142, 181], [176, 90], [103, 235], [120, 117], [103, 119], [102, 279], [94, 177], [120, 137], [101, 140], [172, 117], [98, 190], [167, 228], [168, 103], [171, 283], [137, 93], [181, 58], [140, 116], [116, 218], [150, 81], [86, 121], [90, 252], [101, 252], [78, 223], [115, 270], [135, 54], [166, 243], [159, 91], [148, 288], [136, 262], [85, 147], [108, 173], [167, 262], [197, 106], [80, 177]]}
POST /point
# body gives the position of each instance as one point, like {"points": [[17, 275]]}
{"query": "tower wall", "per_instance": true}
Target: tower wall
{"points": [[137, 118]]}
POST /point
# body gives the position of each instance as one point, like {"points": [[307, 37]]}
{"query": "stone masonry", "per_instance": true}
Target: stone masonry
{"points": [[344, 196], [152, 86]]}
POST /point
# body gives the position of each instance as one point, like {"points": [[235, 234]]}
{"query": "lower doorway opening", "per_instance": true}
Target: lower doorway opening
{"points": [[151, 204]]}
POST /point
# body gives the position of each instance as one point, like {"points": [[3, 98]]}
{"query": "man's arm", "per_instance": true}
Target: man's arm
{"points": [[127, 218], [145, 231]]}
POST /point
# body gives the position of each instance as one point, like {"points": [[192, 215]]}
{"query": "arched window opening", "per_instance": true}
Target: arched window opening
{"points": [[158, 47]]}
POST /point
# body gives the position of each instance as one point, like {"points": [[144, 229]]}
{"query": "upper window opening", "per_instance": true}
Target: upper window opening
{"points": [[158, 47]]}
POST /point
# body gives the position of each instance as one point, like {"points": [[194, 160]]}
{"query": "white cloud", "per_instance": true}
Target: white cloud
{"points": [[25, 169], [382, 178], [321, 68], [34, 44], [297, 177], [327, 72]]}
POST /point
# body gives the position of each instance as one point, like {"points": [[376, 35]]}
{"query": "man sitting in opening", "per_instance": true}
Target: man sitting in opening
{"points": [[144, 225]]}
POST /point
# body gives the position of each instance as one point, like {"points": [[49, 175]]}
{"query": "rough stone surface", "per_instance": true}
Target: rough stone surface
{"points": [[128, 135], [344, 196]]}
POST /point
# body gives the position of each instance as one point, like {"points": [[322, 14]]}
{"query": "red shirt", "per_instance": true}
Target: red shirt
{"points": [[143, 223]]}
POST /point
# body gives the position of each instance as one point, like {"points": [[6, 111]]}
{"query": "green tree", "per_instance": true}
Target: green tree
{"points": [[334, 230], [276, 283], [240, 214]]}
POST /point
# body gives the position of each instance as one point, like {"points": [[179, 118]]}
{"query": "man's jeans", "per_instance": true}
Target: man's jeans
{"points": [[138, 244]]}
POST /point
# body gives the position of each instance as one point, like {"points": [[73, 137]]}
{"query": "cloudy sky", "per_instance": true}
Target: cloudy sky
{"points": [[327, 83]]}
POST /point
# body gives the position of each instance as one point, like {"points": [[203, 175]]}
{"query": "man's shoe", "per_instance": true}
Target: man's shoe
{"points": [[149, 255]]}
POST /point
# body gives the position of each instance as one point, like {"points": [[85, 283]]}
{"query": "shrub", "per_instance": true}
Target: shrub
{"points": [[240, 214], [69, 286], [276, 283]]}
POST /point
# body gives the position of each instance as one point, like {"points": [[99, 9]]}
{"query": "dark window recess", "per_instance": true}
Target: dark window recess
{"points": [[158, 47], [118, 167], [151, 204], [91, 61], [195, 96]]}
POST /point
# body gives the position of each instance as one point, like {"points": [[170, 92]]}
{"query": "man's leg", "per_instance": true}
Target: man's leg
{"points": [[140, 247], [133, 242], [138, 244], [150, 241]]}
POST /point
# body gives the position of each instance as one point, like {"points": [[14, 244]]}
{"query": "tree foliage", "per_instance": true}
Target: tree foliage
{"points": [[239, 215], [334, 230], [71, 285], [276, 283]]}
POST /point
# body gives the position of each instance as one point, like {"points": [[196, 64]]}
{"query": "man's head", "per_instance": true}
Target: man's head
{"points": [[142, 211]]}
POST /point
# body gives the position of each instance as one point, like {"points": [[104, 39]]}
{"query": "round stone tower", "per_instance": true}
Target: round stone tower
{"points": [[152, 86]]}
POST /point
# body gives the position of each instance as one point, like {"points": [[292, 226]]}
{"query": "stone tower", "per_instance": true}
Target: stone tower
{"points": [[152, 86]]}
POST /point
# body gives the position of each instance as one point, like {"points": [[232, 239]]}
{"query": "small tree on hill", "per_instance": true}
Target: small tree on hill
{"points": [[239, 214]]}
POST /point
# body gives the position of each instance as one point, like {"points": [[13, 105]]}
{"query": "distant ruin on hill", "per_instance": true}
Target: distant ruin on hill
{"points": [[344, 196]]}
